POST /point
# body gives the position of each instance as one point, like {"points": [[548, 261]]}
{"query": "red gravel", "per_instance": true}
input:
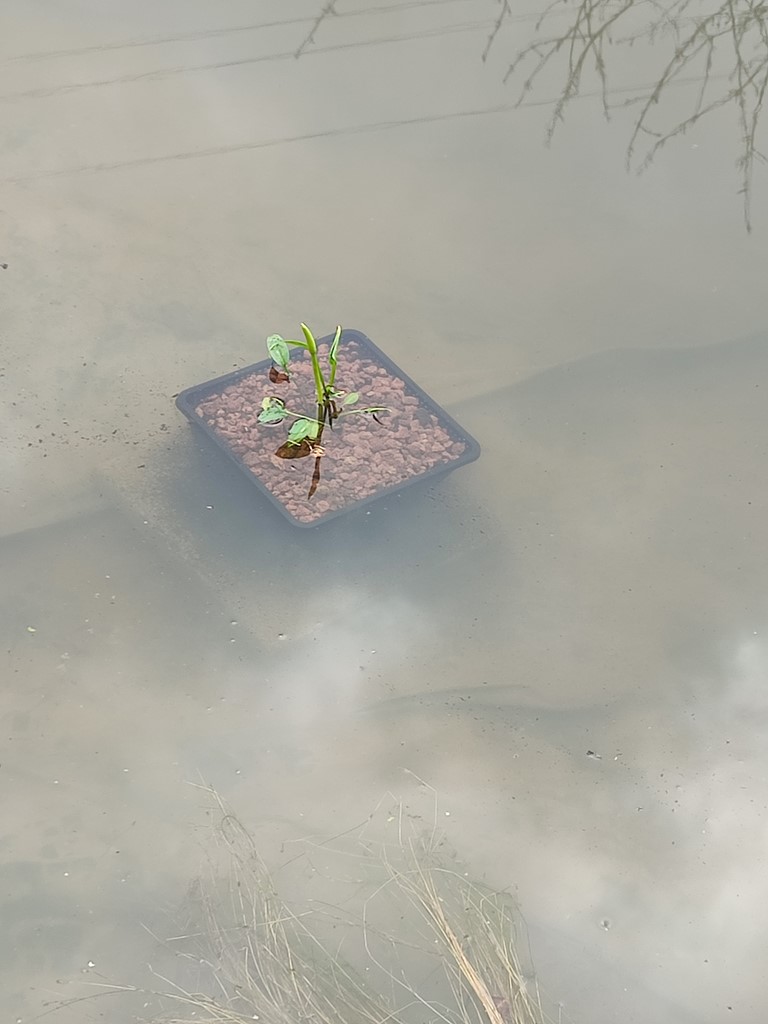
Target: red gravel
{"points": [[361, 456]]}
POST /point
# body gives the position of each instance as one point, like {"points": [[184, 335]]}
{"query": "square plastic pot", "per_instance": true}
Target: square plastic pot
{"points": [[364, 461]]}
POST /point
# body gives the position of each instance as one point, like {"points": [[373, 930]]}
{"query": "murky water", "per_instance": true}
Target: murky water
{"points": [[568, 639]]}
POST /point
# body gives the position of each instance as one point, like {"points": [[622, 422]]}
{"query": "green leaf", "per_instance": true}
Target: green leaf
{"points": [[351, 398], [300, 429], [309, 337], [333, 353], [273, 415], [278, 349], [272, 402], [272, 410]]}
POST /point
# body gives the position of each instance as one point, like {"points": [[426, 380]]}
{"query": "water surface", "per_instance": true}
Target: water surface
{"points": [[567, 639]]}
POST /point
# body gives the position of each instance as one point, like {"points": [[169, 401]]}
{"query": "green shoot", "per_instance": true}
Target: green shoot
{"points": [[306, 432], [333, 360]]}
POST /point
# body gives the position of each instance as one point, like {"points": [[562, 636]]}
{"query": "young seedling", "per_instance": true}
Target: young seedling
{"points": [[305, 435]]}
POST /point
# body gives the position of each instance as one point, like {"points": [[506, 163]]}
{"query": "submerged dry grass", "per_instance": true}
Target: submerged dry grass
{"points": [[475, 935], [437, 946], [263, 960]]}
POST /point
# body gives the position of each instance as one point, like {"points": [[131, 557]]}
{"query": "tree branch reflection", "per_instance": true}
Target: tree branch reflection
{"points": [[719, 47]]}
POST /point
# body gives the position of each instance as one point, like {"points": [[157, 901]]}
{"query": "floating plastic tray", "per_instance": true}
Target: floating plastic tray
{"points": [[188, 400]]}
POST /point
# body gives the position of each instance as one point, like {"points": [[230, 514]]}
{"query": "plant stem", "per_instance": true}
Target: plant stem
{"points": [[321, 414], [303, 416], [319, 382]]}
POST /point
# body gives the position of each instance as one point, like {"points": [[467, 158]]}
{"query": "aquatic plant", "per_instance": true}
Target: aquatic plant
{"points": [[332, 403]]}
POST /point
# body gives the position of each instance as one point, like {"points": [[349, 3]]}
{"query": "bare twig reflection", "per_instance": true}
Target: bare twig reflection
{"points": [[505, 11], [720, 46], [309, 38]]}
